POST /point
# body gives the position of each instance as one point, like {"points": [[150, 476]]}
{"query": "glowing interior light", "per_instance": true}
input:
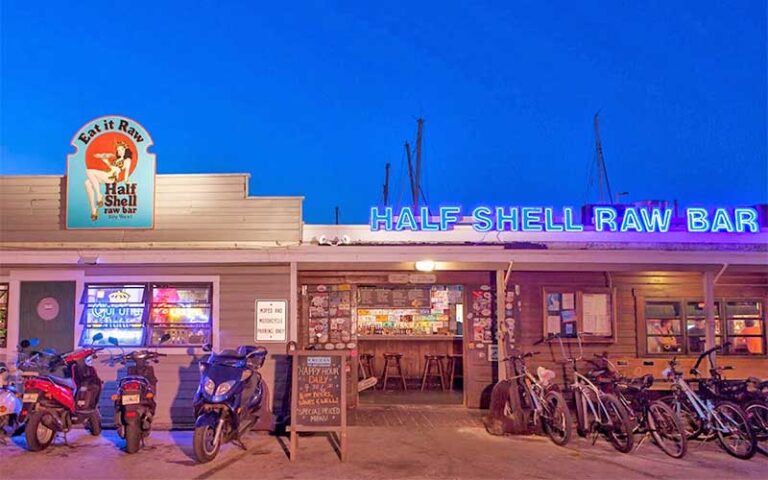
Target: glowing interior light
{"points": [[425, 265]]}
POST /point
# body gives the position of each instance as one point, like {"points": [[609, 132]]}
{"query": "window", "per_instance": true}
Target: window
{"points": [[183, 312], [696, 326], [568, 312], [745, 327], [3, 315], [664, 327], [679, 326], [114, 311], [140, 314]]}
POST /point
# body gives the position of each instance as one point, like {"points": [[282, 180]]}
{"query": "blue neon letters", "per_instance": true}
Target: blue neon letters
{"points": [[485, 219]]}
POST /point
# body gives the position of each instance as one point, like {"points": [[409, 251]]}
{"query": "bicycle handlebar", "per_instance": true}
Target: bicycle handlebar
{"points": [[707, 353]]}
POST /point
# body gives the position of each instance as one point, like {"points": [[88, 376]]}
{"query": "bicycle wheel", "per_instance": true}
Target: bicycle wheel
{"points": [[690, 420], [737, 439], [557, 421], [617, 427], [667, 430], [757, 414], [581, 414]]}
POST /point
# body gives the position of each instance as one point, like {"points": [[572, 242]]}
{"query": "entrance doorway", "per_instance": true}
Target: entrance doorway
{"points": [[427, 336], [47, 312]]}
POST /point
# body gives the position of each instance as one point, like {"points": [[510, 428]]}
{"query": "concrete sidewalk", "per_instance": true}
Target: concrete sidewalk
{"points": [[375, 453]]}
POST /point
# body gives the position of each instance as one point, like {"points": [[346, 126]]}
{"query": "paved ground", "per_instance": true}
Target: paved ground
{"points": [[434, 450]]}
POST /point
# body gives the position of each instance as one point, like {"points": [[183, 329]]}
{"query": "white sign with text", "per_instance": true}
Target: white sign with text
{"points": [[271, 321]]}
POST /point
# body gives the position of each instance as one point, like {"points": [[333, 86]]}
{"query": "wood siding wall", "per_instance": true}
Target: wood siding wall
{"points": [[188, 208], [630, 288], [178, 375]]}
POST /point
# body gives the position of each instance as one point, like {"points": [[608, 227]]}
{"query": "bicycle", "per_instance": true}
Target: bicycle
{"points": [[750, 394], [704, 415], [648, 417], [597, 413], [548, 406]]}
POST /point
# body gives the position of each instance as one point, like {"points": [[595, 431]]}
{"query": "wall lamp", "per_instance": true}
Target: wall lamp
{"points": [[425, 265]]}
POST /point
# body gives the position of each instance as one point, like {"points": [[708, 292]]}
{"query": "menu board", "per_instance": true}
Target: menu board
{"points": [[383, 297], [319, 402], [318, 397]]}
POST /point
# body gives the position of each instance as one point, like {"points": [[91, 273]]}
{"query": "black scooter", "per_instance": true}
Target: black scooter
{"points": [[135, 398], [229, 400]]}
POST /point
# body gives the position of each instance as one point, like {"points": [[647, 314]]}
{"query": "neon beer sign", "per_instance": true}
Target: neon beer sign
{"points": [[548, 219]]}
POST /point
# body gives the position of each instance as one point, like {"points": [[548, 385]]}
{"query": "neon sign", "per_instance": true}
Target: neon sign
{"points": [[548, 219]]}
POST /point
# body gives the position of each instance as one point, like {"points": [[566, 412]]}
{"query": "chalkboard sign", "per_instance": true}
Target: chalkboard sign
{"points": [[319, 396]]}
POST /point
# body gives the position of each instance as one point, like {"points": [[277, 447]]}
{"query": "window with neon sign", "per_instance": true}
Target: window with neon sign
{"points": [[140, 314], [114, 311], [183, 312]]}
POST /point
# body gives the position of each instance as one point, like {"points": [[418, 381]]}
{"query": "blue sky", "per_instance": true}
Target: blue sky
{"points": [[313, 98]]}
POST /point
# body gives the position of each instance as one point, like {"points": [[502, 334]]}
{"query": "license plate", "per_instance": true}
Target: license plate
{"points": [[30, 397], [130, 399]]}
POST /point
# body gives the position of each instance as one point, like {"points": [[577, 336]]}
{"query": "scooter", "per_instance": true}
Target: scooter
{"points": [[53, 404], [11, 420], [135, 398], [229, 400]]}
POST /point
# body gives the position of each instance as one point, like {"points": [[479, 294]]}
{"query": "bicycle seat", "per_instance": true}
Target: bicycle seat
{"points": [[642, 382]]}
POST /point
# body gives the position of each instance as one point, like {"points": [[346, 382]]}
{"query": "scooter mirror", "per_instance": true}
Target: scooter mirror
{"points": [[207, 347], [99, 336], [113, 341], [25, 344], [33, 342], [165, 337]]}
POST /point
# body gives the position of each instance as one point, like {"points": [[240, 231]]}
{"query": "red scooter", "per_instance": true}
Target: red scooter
{"points": [[53, 404]]}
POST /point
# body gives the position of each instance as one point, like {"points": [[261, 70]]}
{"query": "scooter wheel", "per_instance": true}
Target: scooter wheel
{"points": [[93, 424], [38, 436], [205, 445], [132, 437]]}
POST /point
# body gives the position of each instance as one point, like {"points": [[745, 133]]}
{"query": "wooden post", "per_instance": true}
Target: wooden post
{"points": [[709, 308], [501, 290]]}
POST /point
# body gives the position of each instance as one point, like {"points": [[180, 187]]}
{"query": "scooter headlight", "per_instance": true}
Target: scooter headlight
{"points": [[224, 388], [209, 386]]}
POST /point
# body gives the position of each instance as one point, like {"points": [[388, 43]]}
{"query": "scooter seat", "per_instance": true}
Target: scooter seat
{"points": [[63, 382], [134, 378]]}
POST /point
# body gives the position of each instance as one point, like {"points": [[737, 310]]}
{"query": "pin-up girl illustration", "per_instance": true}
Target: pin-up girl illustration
{"points": [[118, 168]]}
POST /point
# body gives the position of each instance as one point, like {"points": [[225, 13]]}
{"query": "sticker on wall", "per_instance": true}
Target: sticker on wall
{"points": [[111, 176]]}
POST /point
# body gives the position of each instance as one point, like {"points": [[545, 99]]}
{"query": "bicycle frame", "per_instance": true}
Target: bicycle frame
{"points": [[582, 384], [704, 411], [533, 388]]}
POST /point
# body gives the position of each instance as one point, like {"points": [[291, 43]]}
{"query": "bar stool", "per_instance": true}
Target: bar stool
{"points": [[392, 360], [454, 360], [365, 364], [437, 362]]}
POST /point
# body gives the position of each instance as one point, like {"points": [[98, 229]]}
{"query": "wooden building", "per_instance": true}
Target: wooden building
{"points": [[641, 297]]}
